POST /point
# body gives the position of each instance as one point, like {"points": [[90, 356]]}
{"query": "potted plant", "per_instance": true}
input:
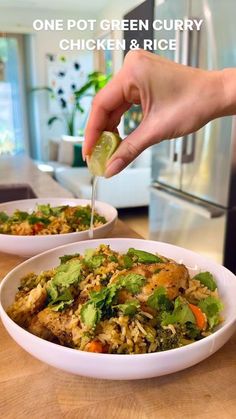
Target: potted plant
{"points": [[95, 81]]}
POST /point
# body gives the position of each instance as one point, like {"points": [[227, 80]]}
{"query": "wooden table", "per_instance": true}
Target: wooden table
{"points": [[31, 389]]}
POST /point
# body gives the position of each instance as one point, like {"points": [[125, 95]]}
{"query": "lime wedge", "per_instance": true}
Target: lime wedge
{"points": [[104, 148]]}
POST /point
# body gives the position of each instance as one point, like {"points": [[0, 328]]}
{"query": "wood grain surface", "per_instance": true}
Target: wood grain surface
{"points": [[31, 389]]}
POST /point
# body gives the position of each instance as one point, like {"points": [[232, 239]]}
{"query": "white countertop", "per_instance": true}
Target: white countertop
{"points": [[21, 170]]}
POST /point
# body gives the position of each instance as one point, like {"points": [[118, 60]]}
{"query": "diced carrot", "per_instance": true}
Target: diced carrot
{"points": [[95, 346], [199, 316]]}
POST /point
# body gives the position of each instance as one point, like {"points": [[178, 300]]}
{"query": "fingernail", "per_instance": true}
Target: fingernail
{"points": [[85, 154], [114, 167]]}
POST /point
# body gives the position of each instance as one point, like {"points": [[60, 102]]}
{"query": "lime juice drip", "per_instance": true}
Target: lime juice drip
{"points": [[94, 184], [104, 148]]}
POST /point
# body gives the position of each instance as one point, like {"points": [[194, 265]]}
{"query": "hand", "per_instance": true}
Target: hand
{"points": [[175, 100]]}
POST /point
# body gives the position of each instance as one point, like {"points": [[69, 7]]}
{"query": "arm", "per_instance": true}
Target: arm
{"points": [[175, 100]]}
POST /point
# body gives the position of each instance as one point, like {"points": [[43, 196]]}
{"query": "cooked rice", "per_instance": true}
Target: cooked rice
{"points": [[47, 220], [114, 331]]}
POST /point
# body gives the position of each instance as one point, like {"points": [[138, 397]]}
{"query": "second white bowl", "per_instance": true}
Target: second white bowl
{"points": [[28, 246]]}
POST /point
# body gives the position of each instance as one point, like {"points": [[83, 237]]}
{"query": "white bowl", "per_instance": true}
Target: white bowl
{"points": [[125, 367], [28, 246]]}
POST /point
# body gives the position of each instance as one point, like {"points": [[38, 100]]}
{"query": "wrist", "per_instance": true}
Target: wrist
{"points": [[212, 102], [228, 102]]}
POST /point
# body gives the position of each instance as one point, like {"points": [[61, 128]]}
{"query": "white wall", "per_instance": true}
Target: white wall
{"points": [[116, 10], [43, 42]]}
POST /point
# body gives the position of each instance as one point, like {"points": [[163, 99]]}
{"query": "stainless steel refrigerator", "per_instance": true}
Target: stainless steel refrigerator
{"points": [[193, 193]]}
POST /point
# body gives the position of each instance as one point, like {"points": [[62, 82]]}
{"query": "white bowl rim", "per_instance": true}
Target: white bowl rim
{"points": [[160, 354], [75, 200]]}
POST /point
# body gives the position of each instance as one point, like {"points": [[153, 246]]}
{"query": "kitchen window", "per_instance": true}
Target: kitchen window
{"points": [[13, 131]]}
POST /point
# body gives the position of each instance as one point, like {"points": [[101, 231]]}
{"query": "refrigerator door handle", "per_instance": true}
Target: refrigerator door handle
{"points": [[188, 148], [173, 152], [191, 45], [185, 47], [178, 44], [177, 57], [205, 210]]}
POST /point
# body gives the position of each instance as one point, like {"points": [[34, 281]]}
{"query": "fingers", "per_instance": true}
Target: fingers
{"points": [[108, 106], [129, 149], [115, 117]]}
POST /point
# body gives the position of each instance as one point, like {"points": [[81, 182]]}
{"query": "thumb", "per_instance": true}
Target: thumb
{"points": [[128, 150]]}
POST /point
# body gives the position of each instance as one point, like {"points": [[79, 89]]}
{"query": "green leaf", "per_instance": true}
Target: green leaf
{"points": [[20, 215], [83, 215], [79, 107], [212, 307], [113, 258], [44, 208], [57, 210], [181, 314], [207, 279], [83, 89], [43, 88], [129, 308], [33, 219], [99, 297], [128, 262], [65, 296], [67, 274], [93, 261], [53, 119], [96, 261], [62, 305], [111, 294], [132, 282], [90, 314], [88, 254], [103, 300], [158, 300], [144, 257], [104, 297], [66, 258], [94, 75], [3, 217], [52, 291]]}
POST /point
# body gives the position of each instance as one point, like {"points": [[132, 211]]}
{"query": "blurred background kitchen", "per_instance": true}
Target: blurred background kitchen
{"points": [[181, 191]]}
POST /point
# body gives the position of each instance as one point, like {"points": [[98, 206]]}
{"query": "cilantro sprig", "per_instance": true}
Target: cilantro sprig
{"points": [[103, 303], [58, 288], [158, 300], [212, 307], [181, 314], [207, 279]]}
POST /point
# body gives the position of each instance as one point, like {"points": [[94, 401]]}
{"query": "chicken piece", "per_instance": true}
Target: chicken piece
{"points": [[60, 324], [23, 309], [172, 276], [38, 329]]}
